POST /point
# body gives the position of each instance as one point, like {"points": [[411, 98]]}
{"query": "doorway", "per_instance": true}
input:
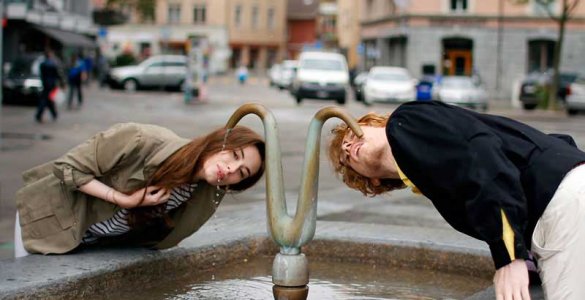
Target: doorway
{"points": [[457, 57]]}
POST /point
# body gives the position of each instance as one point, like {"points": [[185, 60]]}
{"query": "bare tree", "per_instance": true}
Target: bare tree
{"points": [[565, 13]]}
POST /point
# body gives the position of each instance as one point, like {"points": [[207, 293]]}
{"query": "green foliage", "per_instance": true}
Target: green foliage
{"points": [[124, 59], [542, 92], [145, 8]]}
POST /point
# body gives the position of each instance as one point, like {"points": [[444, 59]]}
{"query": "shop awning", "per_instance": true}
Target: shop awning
{"points": [[68, 38]]}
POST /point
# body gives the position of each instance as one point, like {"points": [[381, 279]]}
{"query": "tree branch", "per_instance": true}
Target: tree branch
{"points": [[572, 7]]}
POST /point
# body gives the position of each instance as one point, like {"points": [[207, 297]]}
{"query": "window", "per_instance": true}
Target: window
{"points": [[199, 14], [542, 10], [238, 16], [270, 18], [174, 16], [255, 17], [459, 6]]}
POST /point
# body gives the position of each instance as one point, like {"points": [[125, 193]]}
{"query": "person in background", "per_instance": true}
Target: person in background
{"points": [[133, 185], [102, 69], [88, 68], [492, 178], [51, 78], [74, 78], [242, 74]]}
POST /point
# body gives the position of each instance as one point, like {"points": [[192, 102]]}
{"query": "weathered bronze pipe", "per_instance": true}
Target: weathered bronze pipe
{"points": [[290, 271], [290, 233]]}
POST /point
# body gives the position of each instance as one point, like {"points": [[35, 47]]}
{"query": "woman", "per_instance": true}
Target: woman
{"points": [[133, 184], [492, 178]]}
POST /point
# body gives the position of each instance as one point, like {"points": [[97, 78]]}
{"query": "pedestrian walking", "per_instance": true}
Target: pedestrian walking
{"points": [[51, 78], [492, 178], [75, 78], [133, 185]]}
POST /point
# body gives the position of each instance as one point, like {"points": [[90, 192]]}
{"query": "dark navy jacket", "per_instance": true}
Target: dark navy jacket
{"points": [[50, 76], [473, 166]]}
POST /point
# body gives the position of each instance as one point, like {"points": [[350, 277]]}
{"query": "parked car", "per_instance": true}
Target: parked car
{"points": [[321, 75], [462, 91], [287, 74], [533, 84], [162, 71], [358, 86], [389, 84], [575, 101], [274, 74], [22, 82]]}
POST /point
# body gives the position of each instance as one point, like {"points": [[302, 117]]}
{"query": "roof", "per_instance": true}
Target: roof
{"points": [[302, 9], [68, 38]]}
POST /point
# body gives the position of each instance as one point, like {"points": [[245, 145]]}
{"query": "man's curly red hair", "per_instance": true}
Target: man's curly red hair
{"points": [[350, 177]]}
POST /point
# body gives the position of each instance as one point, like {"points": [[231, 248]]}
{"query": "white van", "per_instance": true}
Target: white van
{"points": [[321, 75]]}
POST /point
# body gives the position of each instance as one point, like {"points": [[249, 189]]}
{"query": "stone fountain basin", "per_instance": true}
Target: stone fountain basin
{"points": [[93, 273]]}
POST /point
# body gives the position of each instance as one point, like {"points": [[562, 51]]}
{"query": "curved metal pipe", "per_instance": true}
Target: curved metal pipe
{"points": [[290, 233]]}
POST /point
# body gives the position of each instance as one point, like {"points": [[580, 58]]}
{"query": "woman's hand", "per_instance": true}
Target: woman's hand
{"points": [[511, 281], [154, 196]]}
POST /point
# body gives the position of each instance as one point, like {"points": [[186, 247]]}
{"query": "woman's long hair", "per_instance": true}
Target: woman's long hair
{"points": [[181, 167]]}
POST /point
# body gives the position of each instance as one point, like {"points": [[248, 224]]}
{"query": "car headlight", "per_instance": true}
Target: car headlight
{"points": [[115, 76], [32, 83]]}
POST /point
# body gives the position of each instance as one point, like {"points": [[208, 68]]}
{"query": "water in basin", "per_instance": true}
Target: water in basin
{"points": [[251, 279]]}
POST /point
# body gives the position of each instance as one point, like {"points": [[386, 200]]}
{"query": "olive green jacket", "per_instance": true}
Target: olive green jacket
{"points": [[54, 215]]}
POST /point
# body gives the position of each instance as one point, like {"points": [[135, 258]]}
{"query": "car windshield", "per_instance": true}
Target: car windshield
{"points": [[568, 78], [322, 64], [24, 67], [389, 76], [459, 83]]}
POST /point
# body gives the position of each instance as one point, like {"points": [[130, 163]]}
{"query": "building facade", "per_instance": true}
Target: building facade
{"points": [[238, 32], [32, 26], [257, 32], [348, 31], [499, 41], [301, 26]]}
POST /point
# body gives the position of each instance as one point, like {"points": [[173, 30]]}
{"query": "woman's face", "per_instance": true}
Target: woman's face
{"points": [[231, 166]]}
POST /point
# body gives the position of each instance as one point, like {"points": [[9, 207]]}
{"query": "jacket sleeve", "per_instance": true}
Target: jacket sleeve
{"points": [[98, 155], [459, 151]]}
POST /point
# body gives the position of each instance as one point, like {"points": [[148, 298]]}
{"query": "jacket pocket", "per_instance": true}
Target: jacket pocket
{"points": [[44, 207]]}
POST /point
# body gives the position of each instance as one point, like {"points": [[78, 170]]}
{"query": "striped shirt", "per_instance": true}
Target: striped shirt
{"points": [[118, 224]]}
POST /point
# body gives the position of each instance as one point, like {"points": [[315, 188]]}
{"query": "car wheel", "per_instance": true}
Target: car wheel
{"points": [[341, 100], [530, 106], [130, 85], [299, 99], [572, 112], [367, 100]]}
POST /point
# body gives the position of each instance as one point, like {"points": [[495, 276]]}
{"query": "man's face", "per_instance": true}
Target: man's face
{"points": [[368, 155]]}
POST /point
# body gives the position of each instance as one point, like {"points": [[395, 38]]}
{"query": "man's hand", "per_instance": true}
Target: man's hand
{"points": [[511, 281]]}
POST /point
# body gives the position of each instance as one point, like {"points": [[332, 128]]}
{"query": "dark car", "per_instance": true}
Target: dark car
{"points": [[22, 83], [358, 85], [532, 86]]}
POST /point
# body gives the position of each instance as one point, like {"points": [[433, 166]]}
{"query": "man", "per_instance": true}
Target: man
{"points": [[490, 177], [75, 78], [50, 79]]}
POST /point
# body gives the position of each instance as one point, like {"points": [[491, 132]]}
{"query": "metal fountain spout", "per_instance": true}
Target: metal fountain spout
{"points": [[290, 268]]}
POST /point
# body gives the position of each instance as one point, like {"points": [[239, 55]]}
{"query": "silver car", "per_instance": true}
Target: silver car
{"points": [[164, 71], [575, 99], [462, 91]]}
